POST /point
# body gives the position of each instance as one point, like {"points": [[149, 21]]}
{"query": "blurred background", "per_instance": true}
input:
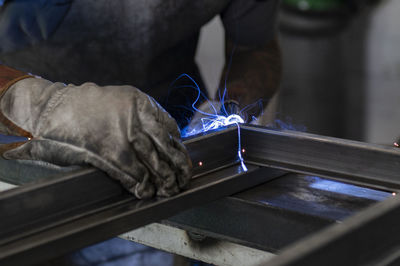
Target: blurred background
{"points": [[341, 66]]}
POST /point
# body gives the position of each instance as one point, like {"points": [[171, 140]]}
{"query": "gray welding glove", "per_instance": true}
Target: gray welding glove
{"points": [[118, 129]]}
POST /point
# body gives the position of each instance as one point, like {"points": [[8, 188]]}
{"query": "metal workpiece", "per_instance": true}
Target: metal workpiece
{"points": [[69, 207], [214, 150], [313, 196], [349, 161], [279, 212], [248, 223], [371, 237], [72, 218], [71, 210], [23, 172], [26, 210]]}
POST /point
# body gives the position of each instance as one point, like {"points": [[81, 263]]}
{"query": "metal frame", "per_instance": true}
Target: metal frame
{"points": [[277, 213], [84, 207], [355, 162], [371, 237], [54, 217]]}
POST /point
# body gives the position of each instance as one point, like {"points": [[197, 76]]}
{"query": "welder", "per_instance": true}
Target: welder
{"points": [[117, 45]]}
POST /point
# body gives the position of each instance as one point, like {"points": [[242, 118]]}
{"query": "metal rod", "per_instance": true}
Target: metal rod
{"points": [[349, 161]]}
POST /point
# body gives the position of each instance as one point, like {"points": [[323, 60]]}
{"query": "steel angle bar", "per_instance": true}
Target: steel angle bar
{"points": [[212, 151], [32, 204], [47, 219], [98, 221], [371, 237], [350, 161], [215, 150]]}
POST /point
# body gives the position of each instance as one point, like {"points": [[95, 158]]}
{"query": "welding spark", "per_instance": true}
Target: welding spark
{"points": [[213, 120], [218, 121]]}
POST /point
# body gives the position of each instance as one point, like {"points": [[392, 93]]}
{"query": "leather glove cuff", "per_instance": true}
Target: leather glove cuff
{"points": [[8, 77]]}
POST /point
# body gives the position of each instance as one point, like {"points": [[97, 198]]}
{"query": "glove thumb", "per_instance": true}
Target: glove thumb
{"points": [[25, 151], [44, 150]]}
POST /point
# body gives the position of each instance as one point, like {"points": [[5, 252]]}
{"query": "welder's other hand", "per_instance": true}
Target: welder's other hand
{"points": [[117, 129]]}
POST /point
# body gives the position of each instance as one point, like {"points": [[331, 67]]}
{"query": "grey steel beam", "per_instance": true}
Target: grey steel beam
{"points": [[349, 161]]}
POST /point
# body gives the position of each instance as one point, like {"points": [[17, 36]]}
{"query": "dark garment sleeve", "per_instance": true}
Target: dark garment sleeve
{"points": [[26, 22], [250, 22]]}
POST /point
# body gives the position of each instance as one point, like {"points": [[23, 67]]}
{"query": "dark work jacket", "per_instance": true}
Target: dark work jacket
{"points": [[145, 43]]}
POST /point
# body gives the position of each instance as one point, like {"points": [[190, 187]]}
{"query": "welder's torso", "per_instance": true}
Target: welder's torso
{"points": [[145, 43]]}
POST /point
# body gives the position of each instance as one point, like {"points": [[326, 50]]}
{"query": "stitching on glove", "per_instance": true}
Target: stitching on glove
{"points": [[54, 100]]}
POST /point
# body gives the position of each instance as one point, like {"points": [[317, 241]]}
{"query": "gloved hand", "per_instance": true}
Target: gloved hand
{"points": [[117, 129]]}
